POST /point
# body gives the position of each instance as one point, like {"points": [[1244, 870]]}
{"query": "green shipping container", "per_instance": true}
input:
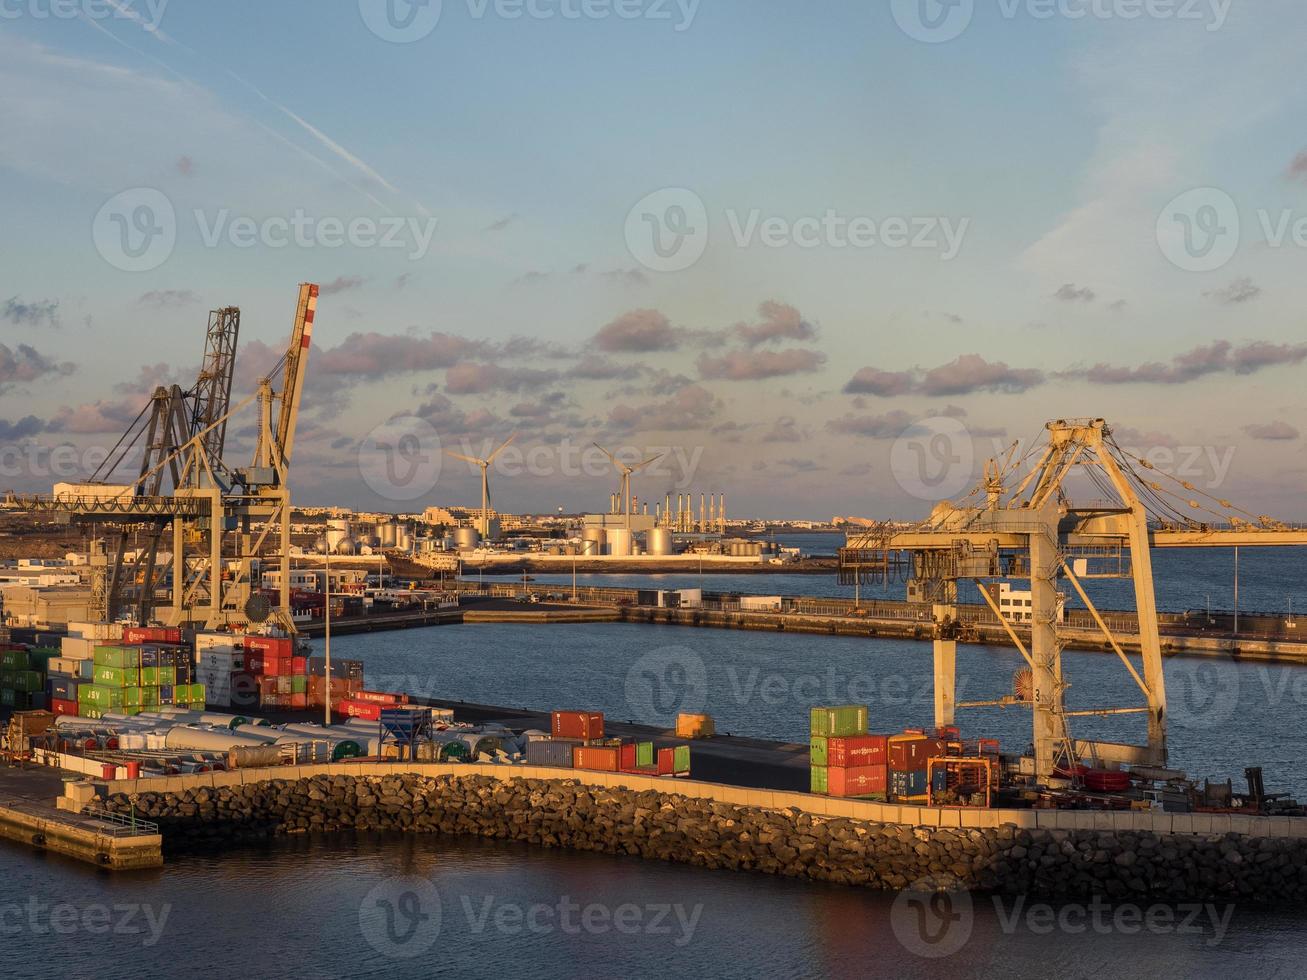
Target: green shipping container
{"points": [[39, 659], [133, 697], [150, 697], [167, 676], [6, 697], [817, 750], [680, 758], [121, 657], [299, 685], [117, 676], [13, 659], [845, 719], [86, 711], [149, 675], [197, 705], [817, 780], [644, 754], [28, 680], [104, 698]]}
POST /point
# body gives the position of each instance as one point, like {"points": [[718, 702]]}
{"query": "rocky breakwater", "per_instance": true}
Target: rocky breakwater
{"points": [[709, 834]]}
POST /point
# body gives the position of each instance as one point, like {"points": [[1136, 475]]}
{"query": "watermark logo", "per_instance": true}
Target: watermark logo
{"points": [[400, 459], [147, 13], [37, 918], [933, 917], [136, 230], [934, 458], [832, 230], [667, 231], [1199, 231], [666, 682], [1202, 694], [401, 21], [933, 21], [571, 918], [400, 918]]}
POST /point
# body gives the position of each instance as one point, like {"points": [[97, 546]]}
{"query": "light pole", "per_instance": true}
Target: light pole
{"points": [[326, 700], [1236, 591]]}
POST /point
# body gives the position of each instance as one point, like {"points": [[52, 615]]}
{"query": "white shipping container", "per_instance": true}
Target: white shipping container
{"points": [[217, 641], [760, 603], [77, 648], [97, 631]]}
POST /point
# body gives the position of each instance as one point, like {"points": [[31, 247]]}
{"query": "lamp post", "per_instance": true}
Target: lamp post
{"points": [[326, 699]]}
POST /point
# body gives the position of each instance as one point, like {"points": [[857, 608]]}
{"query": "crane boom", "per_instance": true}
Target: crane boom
{"points": [[297, 358]]}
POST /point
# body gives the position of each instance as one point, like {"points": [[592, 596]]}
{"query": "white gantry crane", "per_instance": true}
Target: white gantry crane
{"points": [[1035, 531]]}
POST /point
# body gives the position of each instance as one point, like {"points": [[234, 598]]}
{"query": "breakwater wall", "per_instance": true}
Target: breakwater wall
{"points": [[1118, 855]]}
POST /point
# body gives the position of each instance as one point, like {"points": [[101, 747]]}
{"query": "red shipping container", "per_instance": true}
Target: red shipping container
{"points": [[151, 634], [299, 701], [667, 762], [913, 754], [271, 646], [254, 663], [360, 709], [299, 666], [857, 781], [58, 707], [601, 758], [379, 697], [585, 725], [628, 758], [855, 751]]}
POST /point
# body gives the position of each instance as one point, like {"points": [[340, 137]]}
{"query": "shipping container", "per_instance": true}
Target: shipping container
{"points": [[907, 783], [818, 779], [849, 719], [585, 725], [556, 752], [61, 707], [598, 758], [911, 752], [117, 676], [857, 781], [853, 751], [123, 657]]}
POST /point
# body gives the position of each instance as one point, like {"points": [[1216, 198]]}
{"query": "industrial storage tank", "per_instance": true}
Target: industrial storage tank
{"points": [[619, 542], [593, 540], [347, 546], [659, 541], [466, 538], [388, 533], [207, 739], [337, 531], [320, 544]]}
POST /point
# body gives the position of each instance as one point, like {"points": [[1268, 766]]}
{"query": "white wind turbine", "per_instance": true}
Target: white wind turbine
{"points": [[626, 472], [484, 527]]}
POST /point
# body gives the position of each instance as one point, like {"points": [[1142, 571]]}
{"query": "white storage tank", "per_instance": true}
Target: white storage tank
{"points": [[619, 542], [660, 541], [337, 531], [466, 538]]}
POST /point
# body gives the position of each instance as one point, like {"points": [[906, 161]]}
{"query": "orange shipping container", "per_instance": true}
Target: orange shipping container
{"points": [[859, 781], [855, 751], [600, 758], [585, 725]]}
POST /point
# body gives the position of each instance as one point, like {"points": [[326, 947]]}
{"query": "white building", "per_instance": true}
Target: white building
{"points": [[1017, 605]]}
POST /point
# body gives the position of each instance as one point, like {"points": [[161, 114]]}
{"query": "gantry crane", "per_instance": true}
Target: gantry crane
{"points": [[1035, 531], [227, 522]]}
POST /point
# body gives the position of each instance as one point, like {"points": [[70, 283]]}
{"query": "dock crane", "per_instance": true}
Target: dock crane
{"points": [[1035, 531], [227, 522]]}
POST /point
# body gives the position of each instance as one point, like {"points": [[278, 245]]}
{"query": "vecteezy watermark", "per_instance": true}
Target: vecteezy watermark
{"points": [[1202, 229], [666, 682], [34, 461], [401, 459], [933, 458], [676, 465], [668, 231], [402, 918], [137, 230], [572, 918], [37, 918], [407, 21], [938, 21], [147, 13], [935, 917], [1201, 694]]}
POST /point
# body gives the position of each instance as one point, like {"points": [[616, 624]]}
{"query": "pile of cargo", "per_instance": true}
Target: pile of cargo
{"points": [[366, 705], [22, 676], [576, 741], [125, 670], [912, 767], [255, 671]]}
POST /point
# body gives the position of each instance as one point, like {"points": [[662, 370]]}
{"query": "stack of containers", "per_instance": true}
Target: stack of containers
{"points": [[368, 705], [115, 683], [220, 669], [22, 676], [845, 760], [346, 680], [909, 757], [568, 732]]}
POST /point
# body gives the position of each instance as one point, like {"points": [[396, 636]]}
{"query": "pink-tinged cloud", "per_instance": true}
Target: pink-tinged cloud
{"points": [[592, 367], [754, 365], [480, 379], [1298, 168], [1272, 431], [692, 407], [1220, 357], [374, 355], [638, 332], [23, 364], [777, 321], [971, 373], [341, 284], [891, 425], [883, 384]]}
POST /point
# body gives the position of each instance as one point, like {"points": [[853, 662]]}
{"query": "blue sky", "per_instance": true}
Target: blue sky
{"points": [[1033, 159]]}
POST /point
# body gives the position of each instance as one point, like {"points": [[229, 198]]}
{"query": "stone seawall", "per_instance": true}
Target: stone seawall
{"points": [[670, 827]]}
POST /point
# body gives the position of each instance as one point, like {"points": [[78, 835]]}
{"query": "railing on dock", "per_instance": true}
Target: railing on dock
{"points": [[121, 826]]}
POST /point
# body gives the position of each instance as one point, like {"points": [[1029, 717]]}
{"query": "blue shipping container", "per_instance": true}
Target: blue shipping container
{"points": [[551, 752], [907, 782], [62, 687]]}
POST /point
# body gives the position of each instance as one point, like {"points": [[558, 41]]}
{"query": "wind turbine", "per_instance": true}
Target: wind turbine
{"points": [[626, 472], [485, 481]]}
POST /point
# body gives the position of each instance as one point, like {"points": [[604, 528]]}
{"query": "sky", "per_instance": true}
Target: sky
{"points": [[823, 258]]}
